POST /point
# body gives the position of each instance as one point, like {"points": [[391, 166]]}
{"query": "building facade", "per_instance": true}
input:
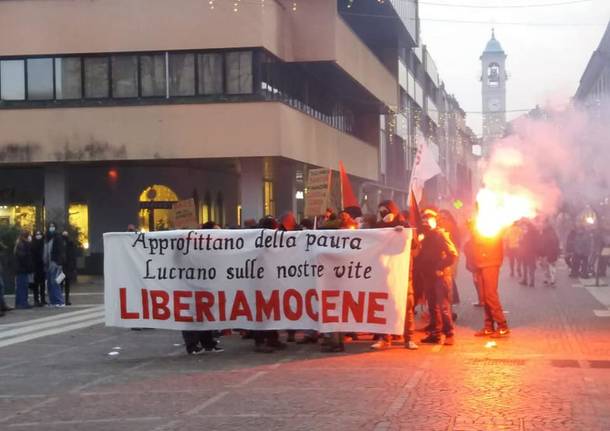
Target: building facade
{"points": [[593, 91], [111, 113]]}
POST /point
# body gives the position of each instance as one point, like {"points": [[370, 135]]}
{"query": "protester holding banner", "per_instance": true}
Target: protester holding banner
{"points": [[268, 341], [334, 342], [389, 216], [198, 342], [288, 222]]}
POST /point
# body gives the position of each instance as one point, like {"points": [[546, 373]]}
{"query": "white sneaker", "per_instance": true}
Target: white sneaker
{"points": [[379, 345], [411, 345]]}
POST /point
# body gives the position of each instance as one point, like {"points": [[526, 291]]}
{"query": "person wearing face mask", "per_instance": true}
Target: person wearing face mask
{"points": [[69, 267], [23, 270], [54, 257], [436, 258], [38, 282]]}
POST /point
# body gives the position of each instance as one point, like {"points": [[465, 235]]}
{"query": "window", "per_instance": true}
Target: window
{"points": [[210, 73], [96, 77], [268, 201], [239, 72], [182, 74], [152, 75], [78, 219], [493, 75], [40, 78], [124, 76], [68, 84], [12, 79]]}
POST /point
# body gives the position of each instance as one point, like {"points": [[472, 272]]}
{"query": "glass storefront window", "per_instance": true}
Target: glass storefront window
{"points": [[155, 208], [269, 203], [78, 218], [22, 216]]}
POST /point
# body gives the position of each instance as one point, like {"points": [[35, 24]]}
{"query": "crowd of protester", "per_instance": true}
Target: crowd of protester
{"points": [[432, 287], [45, 265], [533, 248]]}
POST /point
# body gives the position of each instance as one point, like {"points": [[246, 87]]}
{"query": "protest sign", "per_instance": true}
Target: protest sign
{"points": [[318, 190], [185, 214], [342, 280]]}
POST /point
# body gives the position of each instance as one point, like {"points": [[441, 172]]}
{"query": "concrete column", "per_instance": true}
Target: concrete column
{"points": [[285, 187], [251, 188], [56, 196]]}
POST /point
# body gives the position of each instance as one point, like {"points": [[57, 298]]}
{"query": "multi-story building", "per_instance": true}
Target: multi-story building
{"points": [[593, 92], [112, 111]]}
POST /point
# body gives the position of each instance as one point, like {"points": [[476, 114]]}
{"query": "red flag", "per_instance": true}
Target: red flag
{"points": [[348, 199], [414, 214]]}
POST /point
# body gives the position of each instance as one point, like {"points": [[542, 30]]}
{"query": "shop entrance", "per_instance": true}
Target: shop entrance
{"points": [[156, 202]]}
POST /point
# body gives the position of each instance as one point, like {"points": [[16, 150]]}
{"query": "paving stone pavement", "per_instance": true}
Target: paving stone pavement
{"points": [[553, 373]]}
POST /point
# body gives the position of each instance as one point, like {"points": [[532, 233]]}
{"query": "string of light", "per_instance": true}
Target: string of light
{"points": [[519, 6], [237, 3]]}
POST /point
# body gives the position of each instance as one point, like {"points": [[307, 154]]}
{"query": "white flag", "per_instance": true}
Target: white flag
{"points": [[424, 167]]}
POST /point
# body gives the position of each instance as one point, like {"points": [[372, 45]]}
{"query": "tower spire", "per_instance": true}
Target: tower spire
{"points": [[493, 33]]}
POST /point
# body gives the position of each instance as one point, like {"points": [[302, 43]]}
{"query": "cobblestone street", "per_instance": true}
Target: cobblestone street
{"points": [[553, 373]]}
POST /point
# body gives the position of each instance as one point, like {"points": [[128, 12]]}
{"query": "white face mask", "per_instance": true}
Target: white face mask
{"points": [[389, 218], [38, 236], [30, 238], [52, 229]]}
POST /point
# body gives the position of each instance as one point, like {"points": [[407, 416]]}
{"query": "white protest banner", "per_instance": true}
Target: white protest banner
{"points": [[318, 190], [333, 280]]}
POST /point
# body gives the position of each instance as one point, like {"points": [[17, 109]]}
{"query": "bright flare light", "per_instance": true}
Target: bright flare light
{"points": [[498, 210], [590, 220]]}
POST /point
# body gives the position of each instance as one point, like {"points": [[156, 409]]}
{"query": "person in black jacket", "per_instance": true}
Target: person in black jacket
{"points": [[54, 258], [23, 270], [38, 282], [69, 267], [435, 261]]}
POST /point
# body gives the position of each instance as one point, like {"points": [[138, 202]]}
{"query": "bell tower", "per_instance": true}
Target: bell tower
{"points": [[493, 91]]}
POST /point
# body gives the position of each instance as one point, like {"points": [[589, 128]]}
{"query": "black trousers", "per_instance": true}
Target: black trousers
{"points": [[491, 300], [192, 339], [529, 270], [438, 295], [38, 289], [66, 284], [271, 337]]}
